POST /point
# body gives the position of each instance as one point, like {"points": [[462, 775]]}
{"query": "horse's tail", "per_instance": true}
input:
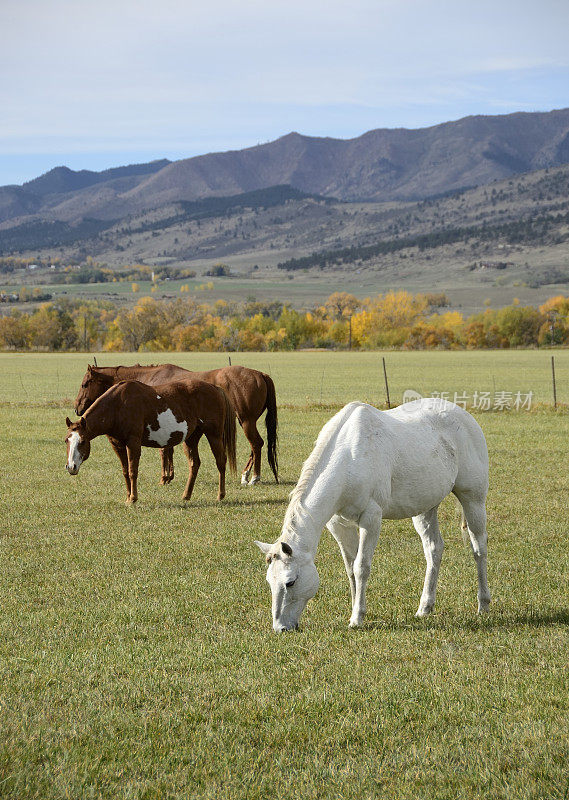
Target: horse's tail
{"points": [[271, 423], [229, 432]]}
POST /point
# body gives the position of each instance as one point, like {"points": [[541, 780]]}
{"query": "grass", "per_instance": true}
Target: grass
{"points": [[303, 290], [136, 652], [308, 378]]}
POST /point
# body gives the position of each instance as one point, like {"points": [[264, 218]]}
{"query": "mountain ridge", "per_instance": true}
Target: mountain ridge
{"points": [[383, 164], [62, 178]]}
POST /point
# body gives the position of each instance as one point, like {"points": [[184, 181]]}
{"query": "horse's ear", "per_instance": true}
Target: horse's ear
{"points": [[263, 546], [286, 548], [68, 422], [81, 422]]}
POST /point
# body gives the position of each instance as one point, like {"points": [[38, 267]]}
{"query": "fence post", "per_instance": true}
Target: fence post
{"points": [[554, 386], [386, 384]]}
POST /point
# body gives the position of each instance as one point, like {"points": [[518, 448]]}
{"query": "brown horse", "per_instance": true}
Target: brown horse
{"points": [[134, 415], [250, 393]]}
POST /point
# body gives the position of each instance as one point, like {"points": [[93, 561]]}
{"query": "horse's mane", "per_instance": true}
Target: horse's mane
{"points": [[103, 372], [325, 438], [96, 368], [306, 473], [113, 372]]}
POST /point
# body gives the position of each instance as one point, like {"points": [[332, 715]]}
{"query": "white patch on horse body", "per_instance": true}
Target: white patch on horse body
{"points": [[167, 426], [158, 397], [74, 459]]}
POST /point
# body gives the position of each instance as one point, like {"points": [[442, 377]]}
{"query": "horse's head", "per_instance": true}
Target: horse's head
{"points": [[93, 385], [78, 445], [293, 579]]}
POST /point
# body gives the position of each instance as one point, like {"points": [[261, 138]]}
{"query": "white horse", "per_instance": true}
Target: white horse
{"points": [[368, 465]]}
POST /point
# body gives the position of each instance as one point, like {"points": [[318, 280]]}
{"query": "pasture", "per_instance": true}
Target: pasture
{"points": [[137, 658]]}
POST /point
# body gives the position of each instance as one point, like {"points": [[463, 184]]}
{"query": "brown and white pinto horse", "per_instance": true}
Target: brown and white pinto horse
{"points": [[251, 392], [134, 415]]}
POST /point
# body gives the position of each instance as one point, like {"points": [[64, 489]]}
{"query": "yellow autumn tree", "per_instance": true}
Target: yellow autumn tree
{"points": [[386, 320], [555, 327], [143, 327], [340, 305]]}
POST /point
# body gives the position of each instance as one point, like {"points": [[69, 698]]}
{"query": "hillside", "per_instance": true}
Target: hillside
{"points": [[381, 165], [509, 239]]}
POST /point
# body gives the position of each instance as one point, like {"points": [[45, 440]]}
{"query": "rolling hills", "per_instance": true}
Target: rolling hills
{"points": [[433, 208]]}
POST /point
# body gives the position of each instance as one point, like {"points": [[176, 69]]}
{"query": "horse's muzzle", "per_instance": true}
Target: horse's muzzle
{"points": [[72, 470], [282, 629]]}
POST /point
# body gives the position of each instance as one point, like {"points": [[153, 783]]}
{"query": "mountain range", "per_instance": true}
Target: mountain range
{"points": [[381, 165]]}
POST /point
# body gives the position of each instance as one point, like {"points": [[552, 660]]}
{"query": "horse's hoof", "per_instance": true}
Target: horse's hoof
{"points": [[424, 611], [483, 606], [244, 479], [254, 480]]}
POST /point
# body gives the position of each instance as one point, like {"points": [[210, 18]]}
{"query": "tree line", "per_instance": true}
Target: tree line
{"points": [[392, 320]]}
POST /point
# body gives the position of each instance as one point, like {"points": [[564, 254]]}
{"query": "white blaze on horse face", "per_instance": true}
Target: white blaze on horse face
{"points": [[167, 425], [293, 581], [74, 457]]}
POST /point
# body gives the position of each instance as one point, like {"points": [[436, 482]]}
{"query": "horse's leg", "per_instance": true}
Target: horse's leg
{"points": [[167, 464], [369, 529], [256, 442], [170, 457], [163, 473], [247, 471], [347, 535], [171, 465], [218, 450], [427, 526], [193, 456], [133, 453], [167, 456], [474, 508], [120, 450]]}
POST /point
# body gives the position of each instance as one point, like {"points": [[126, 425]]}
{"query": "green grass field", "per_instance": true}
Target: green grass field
{"points": [[312, 378], [304, 290], [136, 653]]}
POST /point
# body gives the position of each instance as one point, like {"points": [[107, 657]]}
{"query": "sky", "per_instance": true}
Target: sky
{"points": [[93, 85]]}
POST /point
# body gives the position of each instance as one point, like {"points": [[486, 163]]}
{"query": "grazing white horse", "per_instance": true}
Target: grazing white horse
{"points": [[368, 465]]}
